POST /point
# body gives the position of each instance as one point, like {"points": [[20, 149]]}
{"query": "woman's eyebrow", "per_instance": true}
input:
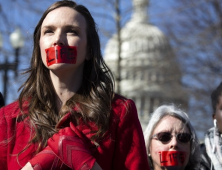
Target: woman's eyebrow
{"points": [[72, 26], [48, 27], [66, 27]]}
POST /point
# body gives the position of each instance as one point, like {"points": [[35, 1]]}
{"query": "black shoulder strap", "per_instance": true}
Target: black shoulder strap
{"points": [[2, 102]]}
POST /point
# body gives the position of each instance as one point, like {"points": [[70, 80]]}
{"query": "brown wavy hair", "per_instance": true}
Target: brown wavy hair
{"points": [[93, 98]]}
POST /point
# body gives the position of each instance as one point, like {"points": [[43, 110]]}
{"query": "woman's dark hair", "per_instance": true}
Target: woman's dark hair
{"points": [[93, 98], [215, 97]]}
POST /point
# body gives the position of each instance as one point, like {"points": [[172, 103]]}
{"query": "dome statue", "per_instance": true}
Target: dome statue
{"points": [[150, 74]]}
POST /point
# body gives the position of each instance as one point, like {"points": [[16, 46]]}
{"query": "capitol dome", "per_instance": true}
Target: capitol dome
{"points": [[150, 74]]}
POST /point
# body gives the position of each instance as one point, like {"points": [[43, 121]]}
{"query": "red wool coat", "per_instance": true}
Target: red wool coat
{"points": [[123, 146]]}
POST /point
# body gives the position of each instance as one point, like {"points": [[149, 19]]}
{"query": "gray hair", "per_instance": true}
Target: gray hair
{"points": [[172, 110]]}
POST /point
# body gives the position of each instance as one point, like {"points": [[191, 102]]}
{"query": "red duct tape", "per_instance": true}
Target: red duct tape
{"points": [[172, 158], [61, 54]]}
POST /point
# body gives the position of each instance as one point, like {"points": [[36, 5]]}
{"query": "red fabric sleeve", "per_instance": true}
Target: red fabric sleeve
{"points": [[3, 137], [130, 152]]}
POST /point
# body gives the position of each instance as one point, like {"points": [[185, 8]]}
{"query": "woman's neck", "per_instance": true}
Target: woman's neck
{"points": [[66, 85]]}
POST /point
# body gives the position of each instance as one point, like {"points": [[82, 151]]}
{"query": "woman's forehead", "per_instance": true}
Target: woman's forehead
{"points": [[171, 124], [63, 16]]}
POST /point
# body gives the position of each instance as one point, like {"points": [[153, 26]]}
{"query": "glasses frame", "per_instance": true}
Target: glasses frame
{"points": [[171, 136]]}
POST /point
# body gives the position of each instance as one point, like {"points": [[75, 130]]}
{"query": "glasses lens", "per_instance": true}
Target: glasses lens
{"points": [[184, 137], [164, 136]]}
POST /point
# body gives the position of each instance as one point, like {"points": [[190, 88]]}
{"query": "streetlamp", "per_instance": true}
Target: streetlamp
{"points": [[17, 42]]}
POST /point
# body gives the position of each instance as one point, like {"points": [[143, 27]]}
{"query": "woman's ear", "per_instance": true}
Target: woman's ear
{"points": [[150, 160]]}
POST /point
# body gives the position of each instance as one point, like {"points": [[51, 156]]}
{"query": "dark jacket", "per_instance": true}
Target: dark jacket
{"points": [[205, 162]]}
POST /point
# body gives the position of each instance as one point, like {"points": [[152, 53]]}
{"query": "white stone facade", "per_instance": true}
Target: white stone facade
{"points": [[150, 74]]}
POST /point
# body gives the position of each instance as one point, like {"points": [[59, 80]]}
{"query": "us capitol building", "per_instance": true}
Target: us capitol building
{"points": [[150, 74]]}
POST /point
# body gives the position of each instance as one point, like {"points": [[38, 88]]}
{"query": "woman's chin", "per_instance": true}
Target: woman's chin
{"points": [[60, 66]]}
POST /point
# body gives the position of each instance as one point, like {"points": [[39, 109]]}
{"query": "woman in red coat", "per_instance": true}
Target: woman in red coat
{"points": [[67, 115]]}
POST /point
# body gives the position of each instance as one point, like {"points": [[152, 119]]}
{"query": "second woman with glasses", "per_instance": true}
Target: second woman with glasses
{"points": [[171, 141]]}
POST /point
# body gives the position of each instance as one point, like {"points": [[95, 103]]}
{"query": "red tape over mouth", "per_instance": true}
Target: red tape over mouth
{"points": [[172, 158], [61, 54]]}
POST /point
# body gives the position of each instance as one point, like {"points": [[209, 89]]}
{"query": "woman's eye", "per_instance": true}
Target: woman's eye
{"points": [[48, 31], [73, 32]]}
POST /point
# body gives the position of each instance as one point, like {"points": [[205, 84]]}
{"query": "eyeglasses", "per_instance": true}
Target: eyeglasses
{"points": [[166, 137]]}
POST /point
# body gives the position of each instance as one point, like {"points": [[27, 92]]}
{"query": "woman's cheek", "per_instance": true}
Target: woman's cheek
{"points": [[43, 46]]}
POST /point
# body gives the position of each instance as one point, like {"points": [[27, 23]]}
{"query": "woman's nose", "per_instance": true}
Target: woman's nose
{"points": [[59, 39], [173, 143]]}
